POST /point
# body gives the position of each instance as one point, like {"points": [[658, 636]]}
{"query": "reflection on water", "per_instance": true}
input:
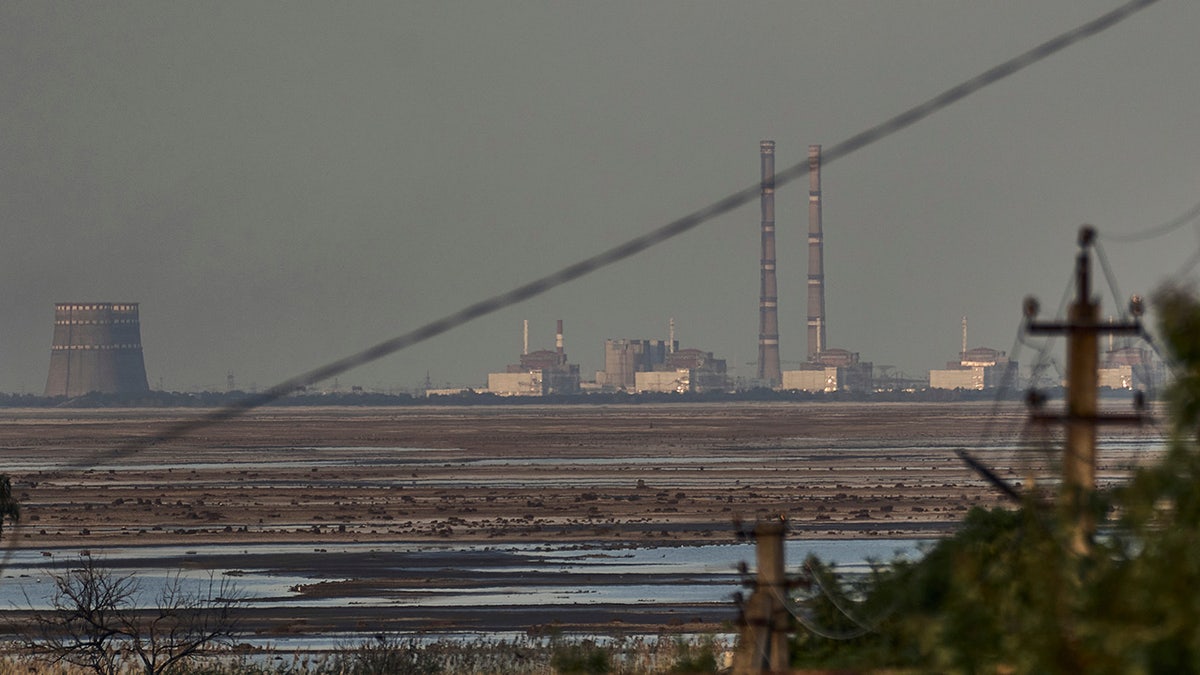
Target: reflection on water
{"points": [[848, 453], [532, 575]]}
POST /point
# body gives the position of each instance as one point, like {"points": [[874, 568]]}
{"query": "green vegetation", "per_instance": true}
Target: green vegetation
{"points": [[1006, 593]]}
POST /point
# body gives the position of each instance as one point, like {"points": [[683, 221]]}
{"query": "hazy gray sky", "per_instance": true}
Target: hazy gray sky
{"points": [[280, 184]]}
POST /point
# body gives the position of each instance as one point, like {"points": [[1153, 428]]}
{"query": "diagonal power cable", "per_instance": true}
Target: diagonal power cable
{"points": [[638, 244], [1157, 230]]}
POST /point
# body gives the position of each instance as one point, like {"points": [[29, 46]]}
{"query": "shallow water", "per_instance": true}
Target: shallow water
{"points": [[662, 575]]}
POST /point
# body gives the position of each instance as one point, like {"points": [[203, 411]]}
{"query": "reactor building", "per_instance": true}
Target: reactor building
{"points": [[684, 371], [97, 347], [660, 366], [544, 372], [625, 358], [977, 368], [1129, 367]]}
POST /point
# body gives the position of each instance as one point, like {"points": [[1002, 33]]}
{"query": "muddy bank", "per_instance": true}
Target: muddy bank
{"points": [[665, 473], [669, 475]]}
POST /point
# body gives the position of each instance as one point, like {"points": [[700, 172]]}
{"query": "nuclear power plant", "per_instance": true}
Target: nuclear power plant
{"points": [[647, 365], [97, 347]]}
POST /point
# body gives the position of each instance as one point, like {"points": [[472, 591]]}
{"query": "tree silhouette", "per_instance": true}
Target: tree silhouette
{"points": [[8, 505], [95, 623]]}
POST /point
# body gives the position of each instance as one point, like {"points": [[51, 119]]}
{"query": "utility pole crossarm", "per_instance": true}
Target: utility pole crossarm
{"points": [[1082, 328]]}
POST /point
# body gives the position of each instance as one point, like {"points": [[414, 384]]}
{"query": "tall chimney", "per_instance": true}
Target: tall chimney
{"points": [[525, 343], [768, 306], [816, 257], [671, 336], [558, 340]]}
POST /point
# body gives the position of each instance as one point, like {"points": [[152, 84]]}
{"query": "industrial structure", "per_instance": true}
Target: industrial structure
{"points": [[977, 369], [826, 369], [97, 347], [816, 257], [1131, 368], [541, 373], [831, 370], [624, 358], [768, 305], [642, 366], [685, 371]]}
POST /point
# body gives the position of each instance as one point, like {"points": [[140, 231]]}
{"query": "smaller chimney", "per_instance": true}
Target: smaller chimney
{"points": [[558, 339], [963, 355], [671, 336], [525, 345]]}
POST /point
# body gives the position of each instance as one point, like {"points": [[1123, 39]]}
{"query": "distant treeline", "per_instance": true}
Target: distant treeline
{"points": [[170, 399]]}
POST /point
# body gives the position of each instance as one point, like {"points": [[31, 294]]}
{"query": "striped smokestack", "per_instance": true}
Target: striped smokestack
{"points": [[769, 372], [558, 339], [816, 257]]}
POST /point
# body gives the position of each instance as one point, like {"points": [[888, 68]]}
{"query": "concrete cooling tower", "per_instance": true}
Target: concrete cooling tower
{"points": [[97, 348]]}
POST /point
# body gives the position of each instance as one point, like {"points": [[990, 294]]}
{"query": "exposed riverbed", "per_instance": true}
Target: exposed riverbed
{"points": [[502, 519]]}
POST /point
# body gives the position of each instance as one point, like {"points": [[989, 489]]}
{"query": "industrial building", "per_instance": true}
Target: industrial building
{"points": [[829, 371], [623, 359], [97, 347], [1130, 368], [977, 369], [685, 370], [540, 373]]}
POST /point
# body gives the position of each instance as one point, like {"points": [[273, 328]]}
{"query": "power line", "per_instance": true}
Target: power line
{"points": [[664, 233], [1158, 230]]}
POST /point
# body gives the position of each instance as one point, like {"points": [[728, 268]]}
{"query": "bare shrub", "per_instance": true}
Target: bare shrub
{"points": [[94, 622]]}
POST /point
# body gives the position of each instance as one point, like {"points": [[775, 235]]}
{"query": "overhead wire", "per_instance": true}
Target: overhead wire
{"points": [[1188, 265], [1158, 230], [986, 434], [1118, 299], [1043, 359], [812, 626], [641, 243], [1189, 216], [870, 626]]}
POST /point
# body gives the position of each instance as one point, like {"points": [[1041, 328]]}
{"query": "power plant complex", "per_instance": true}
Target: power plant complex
{"points": [[648, 365], [630, 365], [97, 347]]}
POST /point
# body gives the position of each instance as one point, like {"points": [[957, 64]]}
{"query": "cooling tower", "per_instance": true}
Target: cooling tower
{"points": [[769, 371], [97, 347]]}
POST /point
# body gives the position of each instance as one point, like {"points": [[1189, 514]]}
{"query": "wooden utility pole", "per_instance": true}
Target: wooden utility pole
{"points": [[763, 644], [1083, 328]]}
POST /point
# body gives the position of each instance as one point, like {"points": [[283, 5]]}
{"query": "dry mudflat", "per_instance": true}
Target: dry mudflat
{"points": [[632, 475], [673, 473]]}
